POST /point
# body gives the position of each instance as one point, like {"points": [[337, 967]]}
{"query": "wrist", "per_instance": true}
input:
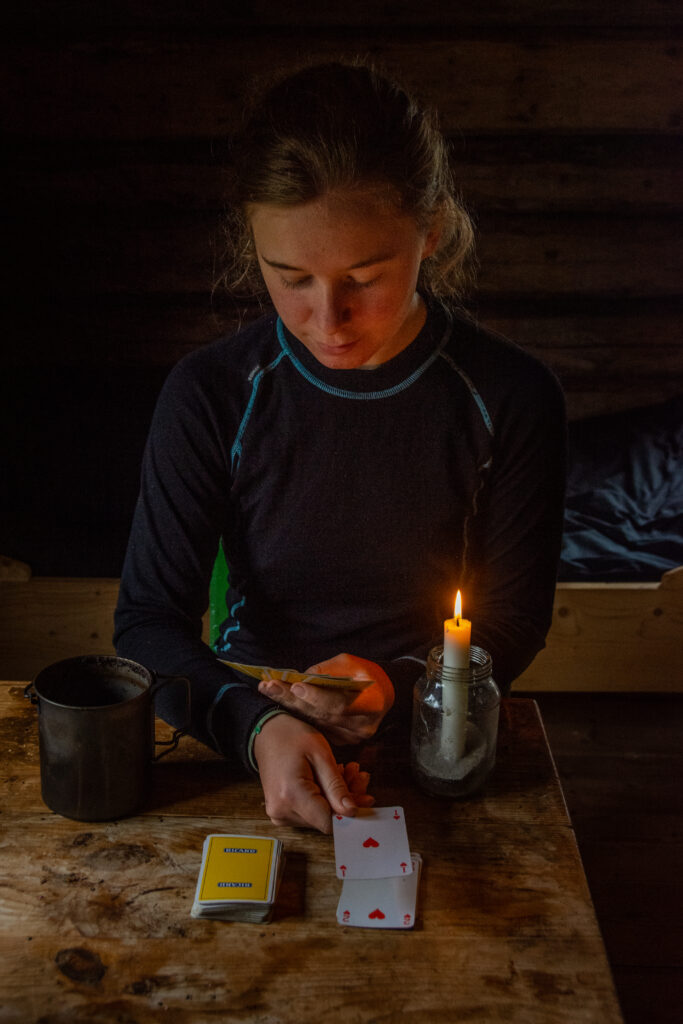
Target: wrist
{"points": [[256, 733]]}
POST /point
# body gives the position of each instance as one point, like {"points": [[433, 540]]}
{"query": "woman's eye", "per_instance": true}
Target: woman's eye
{"points": [[302, 282], [363, 284], [298, 283]]}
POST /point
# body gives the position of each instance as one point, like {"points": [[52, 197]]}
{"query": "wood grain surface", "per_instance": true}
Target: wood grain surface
{"points": [[192, 85], [95, 922], [496, 14], [47, 618], [613, 637]]}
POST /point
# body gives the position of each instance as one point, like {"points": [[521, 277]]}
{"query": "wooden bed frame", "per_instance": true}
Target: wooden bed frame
{"points": [[621, 637], [604, 637]]}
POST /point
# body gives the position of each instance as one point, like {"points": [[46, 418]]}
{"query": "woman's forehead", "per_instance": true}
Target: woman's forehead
{"points": [[334, 212], [354, 231]]}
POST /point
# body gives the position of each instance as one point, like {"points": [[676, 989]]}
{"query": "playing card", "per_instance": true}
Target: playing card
{"points": [[380, 902], [290, 675], [237, 868], [373, 844]]}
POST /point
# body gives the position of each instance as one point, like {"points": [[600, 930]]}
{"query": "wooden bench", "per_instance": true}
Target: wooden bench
{"points": [[604, 637]]}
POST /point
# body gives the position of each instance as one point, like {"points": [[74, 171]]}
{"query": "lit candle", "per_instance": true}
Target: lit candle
{"points": [[456, 655], [456, 638]]}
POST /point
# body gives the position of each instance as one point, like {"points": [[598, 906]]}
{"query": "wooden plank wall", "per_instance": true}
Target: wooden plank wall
{"points": [[566, 125]]}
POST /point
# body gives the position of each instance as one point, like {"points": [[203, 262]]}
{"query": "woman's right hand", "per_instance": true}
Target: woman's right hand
{"points": [[344, 716], [302, 782]]}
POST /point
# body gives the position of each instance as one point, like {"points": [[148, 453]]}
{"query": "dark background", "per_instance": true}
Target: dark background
{"points": [[566, 123]]}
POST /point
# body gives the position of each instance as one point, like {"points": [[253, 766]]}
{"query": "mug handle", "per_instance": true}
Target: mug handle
{"points": [[159, 681], [30, 693]]}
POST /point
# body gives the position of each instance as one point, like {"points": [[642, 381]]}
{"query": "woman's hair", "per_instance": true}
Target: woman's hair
{"points": [[339, 127]]}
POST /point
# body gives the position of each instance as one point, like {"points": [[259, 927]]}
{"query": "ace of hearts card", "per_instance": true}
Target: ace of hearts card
{"points": [[373, 844], [380, 902]]}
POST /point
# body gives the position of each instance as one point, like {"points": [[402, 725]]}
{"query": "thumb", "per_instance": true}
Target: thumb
{"points": [[333, 786]]}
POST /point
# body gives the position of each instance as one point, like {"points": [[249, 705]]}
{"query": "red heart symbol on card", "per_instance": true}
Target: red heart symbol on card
{"points": [[370, 842], [376, 915]]}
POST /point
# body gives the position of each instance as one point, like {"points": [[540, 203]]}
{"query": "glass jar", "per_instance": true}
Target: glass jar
{"points": [[455, 725]]}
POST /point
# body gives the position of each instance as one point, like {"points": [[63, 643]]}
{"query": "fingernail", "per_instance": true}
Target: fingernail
{"points": [[349, 804], [272, 689], [298, 690]]}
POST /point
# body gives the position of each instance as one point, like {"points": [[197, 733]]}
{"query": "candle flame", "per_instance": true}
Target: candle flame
{"points": [[458, 607]]}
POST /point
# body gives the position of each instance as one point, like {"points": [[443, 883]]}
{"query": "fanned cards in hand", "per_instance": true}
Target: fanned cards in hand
{"points": [[291, 675]]}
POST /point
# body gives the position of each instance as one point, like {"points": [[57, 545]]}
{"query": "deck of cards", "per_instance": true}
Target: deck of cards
{"points": [[291, 675], [239, 878], [380, 874]]}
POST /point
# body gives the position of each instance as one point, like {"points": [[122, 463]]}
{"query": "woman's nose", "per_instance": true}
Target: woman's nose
{"points": [[333, 311]]}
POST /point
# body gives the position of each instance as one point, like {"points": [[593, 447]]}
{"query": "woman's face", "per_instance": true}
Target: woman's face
{"points": [[342, 271]]}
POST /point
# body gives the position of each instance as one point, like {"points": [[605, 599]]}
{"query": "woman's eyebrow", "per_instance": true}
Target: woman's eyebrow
{"points": [[380, 258]]}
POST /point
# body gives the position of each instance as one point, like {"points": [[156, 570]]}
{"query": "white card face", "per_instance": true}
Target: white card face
{"points": [[380, 902], [373, 844]]}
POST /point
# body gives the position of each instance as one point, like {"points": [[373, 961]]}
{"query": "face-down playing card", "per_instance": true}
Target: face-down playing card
{"points": [[373, 844], [380, 902]]}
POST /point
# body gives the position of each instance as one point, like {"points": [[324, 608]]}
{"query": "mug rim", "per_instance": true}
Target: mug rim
{"points": [[145, 676]]}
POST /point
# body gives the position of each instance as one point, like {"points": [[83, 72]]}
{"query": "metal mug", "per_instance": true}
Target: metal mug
{"points": [[96, 734]]}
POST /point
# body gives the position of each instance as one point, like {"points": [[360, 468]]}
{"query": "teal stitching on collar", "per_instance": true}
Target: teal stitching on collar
{"points": [[363, 395]]}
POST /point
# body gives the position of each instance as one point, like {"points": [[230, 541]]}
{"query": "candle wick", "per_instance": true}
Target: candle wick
{"points": [[457, 621]]}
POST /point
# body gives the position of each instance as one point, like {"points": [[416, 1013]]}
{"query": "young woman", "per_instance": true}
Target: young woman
{"points": [[361, 452]]}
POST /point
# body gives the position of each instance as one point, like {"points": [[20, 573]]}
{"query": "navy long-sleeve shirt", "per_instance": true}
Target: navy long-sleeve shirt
{"points": [[351, 505]]}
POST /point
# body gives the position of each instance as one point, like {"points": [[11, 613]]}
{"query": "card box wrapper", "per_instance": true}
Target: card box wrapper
{"points": [[239, 878]]}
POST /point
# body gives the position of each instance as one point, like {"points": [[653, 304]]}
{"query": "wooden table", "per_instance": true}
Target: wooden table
{"points": [[95, 918]]}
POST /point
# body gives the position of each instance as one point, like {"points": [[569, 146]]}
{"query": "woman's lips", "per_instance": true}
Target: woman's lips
{"points": [[333, 348]]}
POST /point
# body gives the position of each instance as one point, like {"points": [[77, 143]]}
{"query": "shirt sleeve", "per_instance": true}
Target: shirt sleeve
{"points": [[517, 529], [178, 521]]}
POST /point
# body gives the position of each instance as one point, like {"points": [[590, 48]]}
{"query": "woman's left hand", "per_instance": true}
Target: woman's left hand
{"points": [[343, 716]]}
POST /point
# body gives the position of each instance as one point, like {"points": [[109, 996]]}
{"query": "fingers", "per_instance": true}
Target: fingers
{"points": [[347, 665], [333, 786], [298, 801], [313, 813], [311, 805], [306, 700], [377, 698], [301, 780], [345, 717], [356, 779], [358, 782]]}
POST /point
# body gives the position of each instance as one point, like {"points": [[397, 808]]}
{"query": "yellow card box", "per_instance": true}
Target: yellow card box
{"points": [[238, 868]]}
